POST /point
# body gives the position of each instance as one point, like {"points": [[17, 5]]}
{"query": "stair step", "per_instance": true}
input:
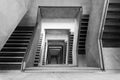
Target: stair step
{"points": [[18, 41], [111, 44], [114, 1], [10, 63], [112, 24], [84, 22], [85, 16], [113, 17], [20, 37], [11, 59], [14, 47], [12, 54], [10, 66], [111, 35], [115, 32], [114, 9], [22, 34]]}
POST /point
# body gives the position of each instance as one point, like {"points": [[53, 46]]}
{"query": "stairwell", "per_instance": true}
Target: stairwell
{"points": [[14, 50], [83, 34]]}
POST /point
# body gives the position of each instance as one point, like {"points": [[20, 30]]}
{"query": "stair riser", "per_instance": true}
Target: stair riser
{"points": [[12, 54], [10, 66], [10, 59]]}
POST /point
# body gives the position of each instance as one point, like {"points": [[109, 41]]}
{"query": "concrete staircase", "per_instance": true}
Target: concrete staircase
{"points": [[13, 52], [70, 58], [38, 52], [83, 34], [111, 33]]}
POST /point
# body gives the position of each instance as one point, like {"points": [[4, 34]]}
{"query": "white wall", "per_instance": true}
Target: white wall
{"points": [[58, 24], [11, 12], [55, 36]]}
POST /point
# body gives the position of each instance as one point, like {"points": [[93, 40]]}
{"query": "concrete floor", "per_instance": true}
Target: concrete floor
{"points": [[16, 75], [81, 75]]}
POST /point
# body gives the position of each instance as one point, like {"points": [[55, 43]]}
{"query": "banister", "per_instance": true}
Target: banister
{"points": [[102, 23]]}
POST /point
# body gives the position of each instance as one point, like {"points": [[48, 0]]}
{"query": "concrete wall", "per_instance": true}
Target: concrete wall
{"points": [[58, 24], [57, 35], [30, 17], [92, 49], [11, 12], [111, 58]]}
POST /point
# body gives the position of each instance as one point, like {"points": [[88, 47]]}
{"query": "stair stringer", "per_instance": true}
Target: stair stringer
{"points": [[30, 58]]}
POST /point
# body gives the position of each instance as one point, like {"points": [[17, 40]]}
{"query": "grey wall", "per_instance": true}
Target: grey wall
{"points": [[93, 58], [30, 17], [11, 12]]}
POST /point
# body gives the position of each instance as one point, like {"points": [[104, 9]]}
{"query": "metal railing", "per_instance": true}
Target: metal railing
{"points": [[103, 19]]}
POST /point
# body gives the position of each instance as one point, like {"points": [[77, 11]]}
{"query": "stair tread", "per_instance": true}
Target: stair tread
{"points": [[113, 16], [114, 1], [11, 52], [112, 24], [14, 47], [18, 40], [10, 63], [22, 34], [113, 9], [10, 57], [16, 43]]}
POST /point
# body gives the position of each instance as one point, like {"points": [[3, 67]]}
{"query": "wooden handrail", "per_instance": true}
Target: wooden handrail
{"points": [[103, 19]]}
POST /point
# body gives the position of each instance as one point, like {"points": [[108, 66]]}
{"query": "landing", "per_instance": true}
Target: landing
{"points": [[58, 76]]}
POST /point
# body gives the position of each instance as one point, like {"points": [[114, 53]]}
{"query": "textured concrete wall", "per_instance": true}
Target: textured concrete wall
{"points": [[11, 12], [93, 58], [30, 17]]}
